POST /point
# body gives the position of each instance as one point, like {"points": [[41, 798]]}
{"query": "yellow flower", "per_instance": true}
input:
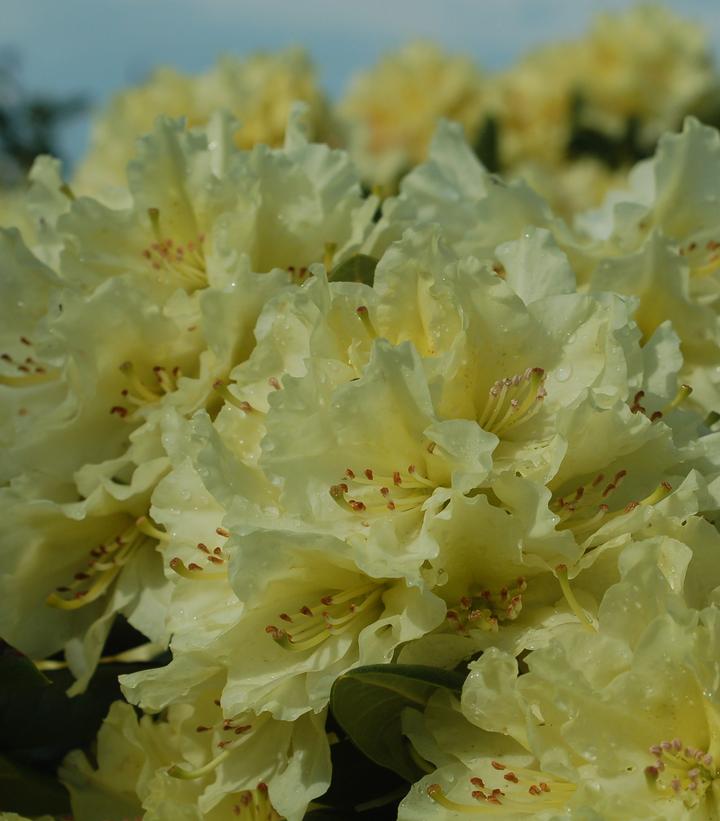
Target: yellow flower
{"points": [[198, 762], [645, 64], [392, 110], [259, 91]]}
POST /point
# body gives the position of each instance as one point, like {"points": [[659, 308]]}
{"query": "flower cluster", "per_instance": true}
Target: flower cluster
{"points": [[570, 117], [291, 432]]}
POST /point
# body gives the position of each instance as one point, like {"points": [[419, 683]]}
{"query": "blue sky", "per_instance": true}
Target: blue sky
{"points": [[98, 46]]}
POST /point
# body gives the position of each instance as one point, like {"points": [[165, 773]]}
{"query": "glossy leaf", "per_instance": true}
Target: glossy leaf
{"points": [[359, 268], [28, 791], [368, 702]]}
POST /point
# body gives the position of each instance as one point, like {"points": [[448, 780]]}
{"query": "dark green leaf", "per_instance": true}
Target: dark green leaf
{"points": [[368, 702], [487, 145], [357, 780], [614, 149], [40, 723], [325, 814], [360, 268], [29, 792]]}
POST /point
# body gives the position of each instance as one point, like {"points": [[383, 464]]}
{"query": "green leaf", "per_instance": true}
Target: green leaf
{"points": [[30, 792], [359, 268], [40, 723], [368, 703], [356, 780], [487, 144], [325, 814]]}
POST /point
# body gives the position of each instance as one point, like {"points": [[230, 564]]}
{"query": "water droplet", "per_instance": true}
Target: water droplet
{"points": [[563, 374]]}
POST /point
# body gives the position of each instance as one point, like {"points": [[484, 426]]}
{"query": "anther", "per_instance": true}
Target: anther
{"points": [[194, 571]]}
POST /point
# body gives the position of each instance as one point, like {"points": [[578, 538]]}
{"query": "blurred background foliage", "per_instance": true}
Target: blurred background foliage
{"points": [[30, 122]]}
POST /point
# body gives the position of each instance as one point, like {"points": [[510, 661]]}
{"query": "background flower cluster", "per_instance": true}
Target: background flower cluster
{"points": [[363, 460]]}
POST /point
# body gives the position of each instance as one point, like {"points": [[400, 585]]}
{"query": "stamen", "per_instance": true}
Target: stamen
{"points": [[139, 393], [182, 261], [104, 564], [371, 491], [709, 267], [681, 771], [188, 775], [28, 371], [221, 387], [522, 792], [254, 805], [364, 316], [513, 400], [581, 512], [36, 378], [335, 615], [584, 617], [485, 610], [144, 525], [683, 393], [636, 407], [194, 571]]}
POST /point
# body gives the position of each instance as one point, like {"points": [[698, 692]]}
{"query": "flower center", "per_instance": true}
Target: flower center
{"points": [[104, 564], [681, 771], [483, 610], [183, 262], [226, 734], [513, 400], [19, 370], [702, 261], [254, 805], [683, 393], [334, 615], [367, 492], [138, 393], [587, 509], [506, 791], [212, 558]]}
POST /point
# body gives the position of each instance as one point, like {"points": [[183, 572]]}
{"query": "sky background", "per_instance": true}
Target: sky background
{"points": [[96, 47]]}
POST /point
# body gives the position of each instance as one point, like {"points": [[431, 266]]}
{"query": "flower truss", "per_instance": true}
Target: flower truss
{"points": [[437, 474]]}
